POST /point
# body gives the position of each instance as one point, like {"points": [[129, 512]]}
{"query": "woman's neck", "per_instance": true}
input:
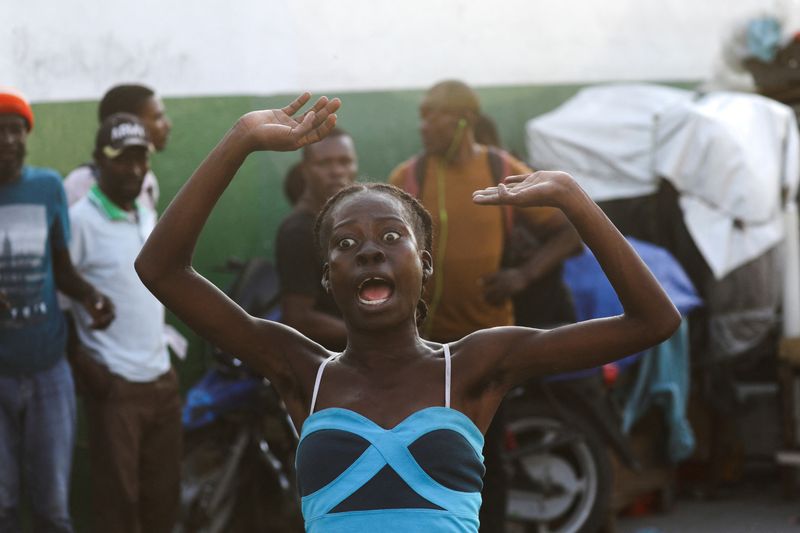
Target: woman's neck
{"points": [[373, 349]]}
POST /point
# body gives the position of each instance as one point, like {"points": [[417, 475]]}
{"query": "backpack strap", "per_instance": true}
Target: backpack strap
{"points": [[415, 175], [497, 164], [499, 167]]}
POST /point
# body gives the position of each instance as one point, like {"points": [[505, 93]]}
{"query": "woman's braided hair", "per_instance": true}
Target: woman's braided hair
{"points": [[420, 219]]}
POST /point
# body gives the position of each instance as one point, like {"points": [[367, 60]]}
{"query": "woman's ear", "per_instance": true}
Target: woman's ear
{"points": [[427, 266], [326, 279]]}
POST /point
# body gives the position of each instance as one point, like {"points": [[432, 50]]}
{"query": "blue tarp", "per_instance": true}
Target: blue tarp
{"points": [[217, 393], [595, 298], [663, 377]]}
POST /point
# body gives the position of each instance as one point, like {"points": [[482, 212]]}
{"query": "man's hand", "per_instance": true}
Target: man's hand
{"points": [[503, 284], [100, 308], [540, 189], [278, 130]]}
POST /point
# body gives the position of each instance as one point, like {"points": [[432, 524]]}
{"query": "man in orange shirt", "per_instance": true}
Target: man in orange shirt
{"points": [[471, 289]]}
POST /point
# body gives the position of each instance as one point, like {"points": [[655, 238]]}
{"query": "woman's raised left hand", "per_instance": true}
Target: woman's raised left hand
{"points": [[545, 188]]}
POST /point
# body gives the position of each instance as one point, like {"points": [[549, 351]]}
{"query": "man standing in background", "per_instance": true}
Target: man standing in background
{"points": [[37, 396], [144, 103], [327, 166], [130, 389]]}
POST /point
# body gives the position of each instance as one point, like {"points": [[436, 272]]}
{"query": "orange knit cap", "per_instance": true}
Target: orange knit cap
{"points": [[12, 101]]}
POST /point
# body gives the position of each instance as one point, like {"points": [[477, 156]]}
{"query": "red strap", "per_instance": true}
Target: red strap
{"points": [[508, 211], [410, 183]]}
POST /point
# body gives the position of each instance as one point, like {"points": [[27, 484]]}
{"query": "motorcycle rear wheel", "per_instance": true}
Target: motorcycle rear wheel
{"points": [[559, 471]]}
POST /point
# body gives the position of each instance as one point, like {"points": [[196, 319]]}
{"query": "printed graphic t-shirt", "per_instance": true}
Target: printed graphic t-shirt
{"points": [[33, 221]]}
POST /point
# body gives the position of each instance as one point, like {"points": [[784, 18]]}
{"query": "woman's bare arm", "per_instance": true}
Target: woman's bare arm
{"points": [[648, 318], [165, 262]]}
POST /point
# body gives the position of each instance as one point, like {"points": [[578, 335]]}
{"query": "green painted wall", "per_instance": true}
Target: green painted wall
{"points": [[383, 124]]}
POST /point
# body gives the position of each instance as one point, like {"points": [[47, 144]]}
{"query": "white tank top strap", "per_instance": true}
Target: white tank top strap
{"points": [[447, 375], [318, 381]]}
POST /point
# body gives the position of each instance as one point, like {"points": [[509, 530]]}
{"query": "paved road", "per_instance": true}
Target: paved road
{"points": [[755, 506]]}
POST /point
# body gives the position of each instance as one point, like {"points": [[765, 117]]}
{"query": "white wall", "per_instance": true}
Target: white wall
{"points": [[76, 49]]}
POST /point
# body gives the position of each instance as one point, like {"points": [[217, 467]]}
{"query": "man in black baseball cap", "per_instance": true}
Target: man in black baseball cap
{"points": [[137, 100], [129, 387], [122, 155], [121, 130]]}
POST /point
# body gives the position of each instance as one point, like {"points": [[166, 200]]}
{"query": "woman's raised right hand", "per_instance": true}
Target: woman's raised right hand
{"points": [[278, 129]]}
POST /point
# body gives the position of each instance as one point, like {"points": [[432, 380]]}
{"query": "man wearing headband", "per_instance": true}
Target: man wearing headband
{"points": [[470, 288], [37, 402], [130, 389]]}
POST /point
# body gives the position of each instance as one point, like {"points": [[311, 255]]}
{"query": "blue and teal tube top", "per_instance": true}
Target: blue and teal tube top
{"points": [[425, 474]]}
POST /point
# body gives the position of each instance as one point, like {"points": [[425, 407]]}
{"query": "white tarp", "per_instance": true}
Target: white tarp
{"points": [[604, 136], [732, 156], [729, 154]]}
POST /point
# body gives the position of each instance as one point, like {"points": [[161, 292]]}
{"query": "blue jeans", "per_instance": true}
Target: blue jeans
{"points": [[37, 434]]}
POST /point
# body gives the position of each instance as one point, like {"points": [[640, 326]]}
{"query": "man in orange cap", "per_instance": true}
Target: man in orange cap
{"points": [[37, 401]]}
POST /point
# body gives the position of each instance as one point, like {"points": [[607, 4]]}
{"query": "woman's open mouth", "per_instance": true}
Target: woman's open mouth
{"points": [[375, 291]]}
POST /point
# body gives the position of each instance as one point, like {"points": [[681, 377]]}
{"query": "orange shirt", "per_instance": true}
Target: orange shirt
{"points": [[472, 247]]}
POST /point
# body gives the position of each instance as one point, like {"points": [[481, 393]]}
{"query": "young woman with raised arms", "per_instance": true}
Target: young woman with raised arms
{"points": [[392, 427]]}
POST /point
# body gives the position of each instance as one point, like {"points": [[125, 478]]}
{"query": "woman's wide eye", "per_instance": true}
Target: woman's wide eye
{"points": [[346, 243], [391, 236]]}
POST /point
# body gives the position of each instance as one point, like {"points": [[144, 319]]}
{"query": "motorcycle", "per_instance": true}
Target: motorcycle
{"points": [[559, 440], [561, 430], [238, 466]]}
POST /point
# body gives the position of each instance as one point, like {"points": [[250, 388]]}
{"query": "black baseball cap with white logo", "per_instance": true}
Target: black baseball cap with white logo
{"points": [[119, 131]]}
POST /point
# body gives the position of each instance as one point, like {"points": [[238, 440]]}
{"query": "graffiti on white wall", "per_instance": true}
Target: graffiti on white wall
{"points": [[75, 49]]}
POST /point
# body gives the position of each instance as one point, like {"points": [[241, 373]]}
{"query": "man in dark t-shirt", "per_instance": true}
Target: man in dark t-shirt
{"points": [[328, 166]]}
